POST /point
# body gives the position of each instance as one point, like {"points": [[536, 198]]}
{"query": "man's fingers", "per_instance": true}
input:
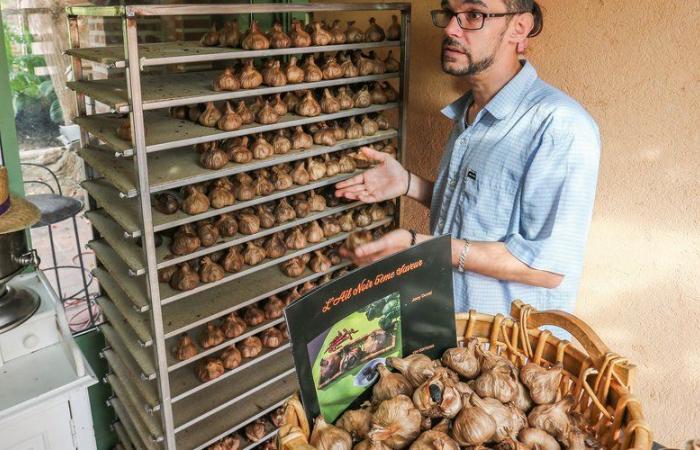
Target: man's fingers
{"points": [[370, 249], [356, 189], [374, 154], [357, 179]]}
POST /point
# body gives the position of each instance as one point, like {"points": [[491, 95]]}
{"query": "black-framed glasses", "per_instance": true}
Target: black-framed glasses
{"points": [[470, 20]]}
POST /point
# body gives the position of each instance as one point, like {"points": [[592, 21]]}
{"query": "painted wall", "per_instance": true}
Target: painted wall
{"points": [[635, 65]]}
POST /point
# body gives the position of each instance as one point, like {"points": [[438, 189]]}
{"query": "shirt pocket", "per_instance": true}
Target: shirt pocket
{"points": [[486, 205]]}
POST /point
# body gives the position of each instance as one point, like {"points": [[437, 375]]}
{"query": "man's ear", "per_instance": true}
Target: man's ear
{"points": [[522, 25]]}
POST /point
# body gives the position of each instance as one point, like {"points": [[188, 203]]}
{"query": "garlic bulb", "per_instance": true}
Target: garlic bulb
{"points": [[253, 254], [274, 246], [178, 112], [261, 148], [230, 35], [278, 38], [275, 76], [374, 33], [438, 397], [267, 219], [361, 160], [314, 232], [383, 124], [253, 316], [309, 285], [332, 166], [347, 164], [301, 140], [227, 225], [317, 169], [357, 422], [463, 360], [284, 212], [233, 260], [542, 383], [417, 368], [184, 242], [213, 159], [246, 115], [537, 439], [262, 184], [300, 175], [312, 72], [231, 357], [390, 385], [193, 112], [367, 444], [316, 202], [212, 336], [230, 121], [509, 419], [271, 337], [210, 38], [256, 430], [300, 38], [185, 348], [393, 32], [250, 77], [195, 201], [293, 268], [281, 179], [254, 39], [280, 108], [500, 383], [434, 440], [210, 116], [210, 369], [227, 81], [473, 425], [301, 207], [346, 223], [250, 347], [337, 33], [391, 63], [329, 104], [296, 239], [331, 69], [244, 190], [293, 72], [221, 198], [362, 98], [364, 65], [233, 326], [248, 223], [320, 36], [354, 34], [329, 437], [240, 154], [338, 131], [362, 217], [391, 94], [378, 95], [274, 307], [308, 106], [554, 418], [324, 136], [267, 115], [350, 70], [208, 234], [379, 65], [166, 273], [395, 422], [369, 126]]}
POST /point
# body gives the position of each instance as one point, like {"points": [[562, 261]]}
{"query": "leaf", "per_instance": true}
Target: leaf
{"points": [[46, 88], [56, 112]]}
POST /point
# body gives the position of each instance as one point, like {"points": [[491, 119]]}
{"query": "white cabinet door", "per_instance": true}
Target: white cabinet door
{"points": [[47, 427]]}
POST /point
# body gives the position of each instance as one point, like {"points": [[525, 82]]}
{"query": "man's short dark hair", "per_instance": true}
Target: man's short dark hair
{"points": [[528, 6]]}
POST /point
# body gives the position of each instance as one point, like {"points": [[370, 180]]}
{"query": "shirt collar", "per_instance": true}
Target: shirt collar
{"points": [[504, 102]]}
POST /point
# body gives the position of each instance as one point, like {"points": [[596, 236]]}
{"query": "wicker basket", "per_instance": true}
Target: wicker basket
{"points": [[598, 379]]}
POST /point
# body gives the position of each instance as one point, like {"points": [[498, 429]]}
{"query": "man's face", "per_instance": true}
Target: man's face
{"points": [[469, 52]]}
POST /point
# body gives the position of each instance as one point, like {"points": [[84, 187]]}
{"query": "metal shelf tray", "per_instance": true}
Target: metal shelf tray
{"points": [[126, 211], [147, 389], [161, 53], [133, 287], [197, 310], [164, 132], [125, 439], [129, 422], [237, 416], [139, 322], [249, 382], [130, 399], [174, 89], [180, 167], [142, 357]]}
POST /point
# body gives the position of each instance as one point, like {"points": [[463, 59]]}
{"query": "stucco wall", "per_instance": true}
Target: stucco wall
{"points": [[635, 65]]}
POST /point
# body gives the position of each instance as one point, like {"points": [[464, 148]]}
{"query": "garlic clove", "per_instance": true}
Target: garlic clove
{"points": [[542, 383]]}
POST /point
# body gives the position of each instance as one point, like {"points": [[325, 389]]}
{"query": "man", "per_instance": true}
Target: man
{"points": [[516, 183]]}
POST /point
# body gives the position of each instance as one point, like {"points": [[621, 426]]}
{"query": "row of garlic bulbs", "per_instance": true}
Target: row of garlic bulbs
{"points": [[226, 191], [317, 33], [269, 111], [243, 150], [471, 398], [329, 67], [253, 432]]}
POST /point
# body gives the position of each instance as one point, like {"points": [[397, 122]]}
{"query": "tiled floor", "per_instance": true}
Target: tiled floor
{"points": [[71, 282]]}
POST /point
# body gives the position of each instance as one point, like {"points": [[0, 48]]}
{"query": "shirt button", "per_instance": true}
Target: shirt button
{"points": [[453, 182]]}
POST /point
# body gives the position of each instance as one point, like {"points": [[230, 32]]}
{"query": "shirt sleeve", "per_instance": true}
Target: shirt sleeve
{"points": [[558, 191]]}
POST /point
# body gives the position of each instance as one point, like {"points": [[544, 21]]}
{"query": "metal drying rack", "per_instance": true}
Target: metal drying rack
{"points": [[159, 402]]}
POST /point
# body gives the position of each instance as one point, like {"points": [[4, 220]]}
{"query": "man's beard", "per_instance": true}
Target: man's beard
{"points": [[473, 67]]}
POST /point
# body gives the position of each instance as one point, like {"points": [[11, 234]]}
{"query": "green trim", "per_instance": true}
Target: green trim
{"points": [[8, 133]]}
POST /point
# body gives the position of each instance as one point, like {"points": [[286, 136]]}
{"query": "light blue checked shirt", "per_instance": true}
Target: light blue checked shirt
{"points": [[523, 173]]}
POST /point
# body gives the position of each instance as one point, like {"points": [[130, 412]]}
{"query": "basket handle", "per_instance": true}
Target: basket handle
{"points": [[579, 329]]}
